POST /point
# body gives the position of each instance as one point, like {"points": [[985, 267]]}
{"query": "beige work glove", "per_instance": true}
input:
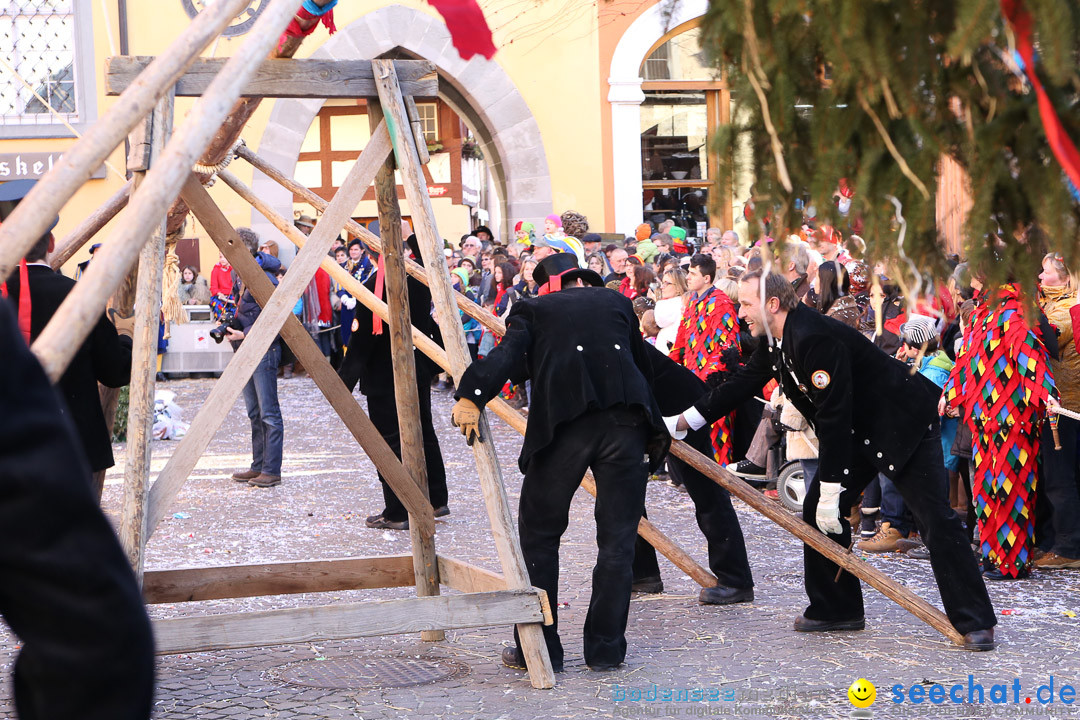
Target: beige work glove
{"points": [[466, 416]]}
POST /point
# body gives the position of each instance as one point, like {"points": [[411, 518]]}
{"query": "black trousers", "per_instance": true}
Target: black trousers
{"points": [[715, 517], [922, 484], [612, 444], [1057, 505], [383, 413]]}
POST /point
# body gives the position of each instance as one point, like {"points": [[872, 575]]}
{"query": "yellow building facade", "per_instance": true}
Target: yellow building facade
{"points": [[602, 107]]}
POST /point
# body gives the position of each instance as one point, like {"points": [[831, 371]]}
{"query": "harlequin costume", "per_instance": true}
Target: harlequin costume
{"points": [[709, 324], [1001, 381]]}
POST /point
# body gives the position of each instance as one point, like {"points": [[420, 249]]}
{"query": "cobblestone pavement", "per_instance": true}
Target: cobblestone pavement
{"points": [[748, 654]]}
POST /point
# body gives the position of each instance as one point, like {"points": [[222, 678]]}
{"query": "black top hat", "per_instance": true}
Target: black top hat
{"points": [[564, 265], [14, 191]]}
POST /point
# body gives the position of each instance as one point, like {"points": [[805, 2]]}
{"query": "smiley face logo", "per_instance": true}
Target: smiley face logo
{"points": [[862, 693]]}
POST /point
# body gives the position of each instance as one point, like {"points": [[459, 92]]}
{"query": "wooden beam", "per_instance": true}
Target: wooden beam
{"points": [[487, 463], [340, 622], [81, 309], [30, 219], [90, 226], [294, 333], [140, 423], [464, 577], [284, 78], [403, 361], [278, 578]]}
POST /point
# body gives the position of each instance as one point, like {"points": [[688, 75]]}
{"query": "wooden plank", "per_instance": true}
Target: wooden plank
{"points": [[463, 577], [406, 393], [140, 424], [278, 578], [74, 241], [284, 77], [352, 620], [417, 128], [327, 380], [81, 309], [30, 219], [487, 463]]}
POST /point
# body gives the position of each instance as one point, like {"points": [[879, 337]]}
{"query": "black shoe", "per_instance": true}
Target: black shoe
{"points": [[648, 585], [868, 525], [603, 667], [805, 624], [724, 595], [513, 658], [380, 523], [747, 469], [980, 640], [442, 511], [919, 552], [993, 573]]}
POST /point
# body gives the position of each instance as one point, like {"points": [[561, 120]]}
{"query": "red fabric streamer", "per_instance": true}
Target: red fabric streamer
{"points": [[468, 28], [1062, 146], [380, 279], [294, 29], [24, 299]]}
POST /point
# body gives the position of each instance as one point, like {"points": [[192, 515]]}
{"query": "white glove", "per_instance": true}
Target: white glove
{"points": [[672, 422], [827, 516], [348, 302]]}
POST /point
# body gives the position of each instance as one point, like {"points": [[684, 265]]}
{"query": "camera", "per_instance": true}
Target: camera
{"points": [[228, 320]]}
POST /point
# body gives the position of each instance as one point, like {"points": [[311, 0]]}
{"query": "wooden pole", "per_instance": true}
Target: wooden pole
{"points": [[326, 379], [144, 364], [487, 464], [90, 226], [77, 315], [679, 557], [406, 393], [30, 219]]}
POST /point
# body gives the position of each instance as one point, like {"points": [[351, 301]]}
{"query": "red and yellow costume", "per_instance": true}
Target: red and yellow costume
{"points": [[1001, 382], [709, 324]]}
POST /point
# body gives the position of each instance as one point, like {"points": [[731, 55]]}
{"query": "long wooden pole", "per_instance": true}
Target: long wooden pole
{"points": [[293, 332], [406, 393], [679, 557], [487, 463], [28, 221], [77, 315], [144, 365], [90, 226], [840, 555]]}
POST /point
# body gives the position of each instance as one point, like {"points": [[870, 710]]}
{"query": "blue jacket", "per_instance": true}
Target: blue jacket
{"points": [[247, 310]]}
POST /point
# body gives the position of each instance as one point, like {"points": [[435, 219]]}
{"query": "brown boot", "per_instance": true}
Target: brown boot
{"points": [[265, 481], [884, 542], [245, 475]]}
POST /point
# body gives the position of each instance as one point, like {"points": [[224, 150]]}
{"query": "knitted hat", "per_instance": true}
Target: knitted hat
{"points": [[918, 330], [523, 226], [678, 239], [555, 219], [647, 250], [463, 274], [643, 231]]}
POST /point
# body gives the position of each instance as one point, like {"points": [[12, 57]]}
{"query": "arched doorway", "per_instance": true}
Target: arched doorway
{"points": [[478, 90]]}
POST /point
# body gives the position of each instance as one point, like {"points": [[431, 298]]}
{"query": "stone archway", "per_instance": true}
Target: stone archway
{"points": [[478, 90]]}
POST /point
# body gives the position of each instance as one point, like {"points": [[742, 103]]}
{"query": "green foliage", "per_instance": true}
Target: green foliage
{"points": [[119, 433], [938, 76]]}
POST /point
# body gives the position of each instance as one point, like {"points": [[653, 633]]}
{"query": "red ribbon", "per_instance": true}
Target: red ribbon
{"points": [[469, 30], [380, 279], [1062, 146], [554, 283], [296, 30], [24, 299]]}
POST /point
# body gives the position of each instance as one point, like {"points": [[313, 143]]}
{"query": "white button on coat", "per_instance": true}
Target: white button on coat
{"points": [[579, 348], [477, 392], [617, 346]]}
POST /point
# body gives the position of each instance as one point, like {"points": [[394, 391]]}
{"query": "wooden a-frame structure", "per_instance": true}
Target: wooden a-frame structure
{"points": [[163, 171]]}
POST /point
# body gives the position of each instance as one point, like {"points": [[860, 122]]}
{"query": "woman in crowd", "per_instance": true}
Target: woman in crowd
{"points": [[503, 287], [358, 265], [1002, 383], [193, 290], [669, 308], [527, 287], [834, 294], [597, 264], [221, 287], [1058, 512]]}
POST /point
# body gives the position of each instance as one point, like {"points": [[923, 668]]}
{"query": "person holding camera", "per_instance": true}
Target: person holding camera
{"points": [[260, 393]]}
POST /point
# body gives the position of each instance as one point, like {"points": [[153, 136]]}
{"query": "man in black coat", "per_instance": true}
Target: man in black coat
{"points": [[675, 387], [592, 408], [103, 358], [65, 586], [369, 362], [871, 415]]}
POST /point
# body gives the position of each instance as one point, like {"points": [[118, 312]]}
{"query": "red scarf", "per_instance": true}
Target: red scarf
{"points": [[24, 300]]}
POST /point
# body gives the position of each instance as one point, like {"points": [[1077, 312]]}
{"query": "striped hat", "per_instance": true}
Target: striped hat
{"points": [[918, 330]]}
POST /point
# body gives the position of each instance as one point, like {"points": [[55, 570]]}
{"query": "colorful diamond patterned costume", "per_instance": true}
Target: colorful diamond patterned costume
{"points": [[709, 324], [1001, 382]]}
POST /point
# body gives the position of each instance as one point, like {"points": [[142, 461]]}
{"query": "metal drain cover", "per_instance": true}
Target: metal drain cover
{"points": [[354, 673]]}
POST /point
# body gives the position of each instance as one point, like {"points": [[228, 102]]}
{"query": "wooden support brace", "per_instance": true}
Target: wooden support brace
{"points": [[339, 622], [294, 333], [464, 577], [74, 241], [283, 78], [279, 578], [29, 220]]}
